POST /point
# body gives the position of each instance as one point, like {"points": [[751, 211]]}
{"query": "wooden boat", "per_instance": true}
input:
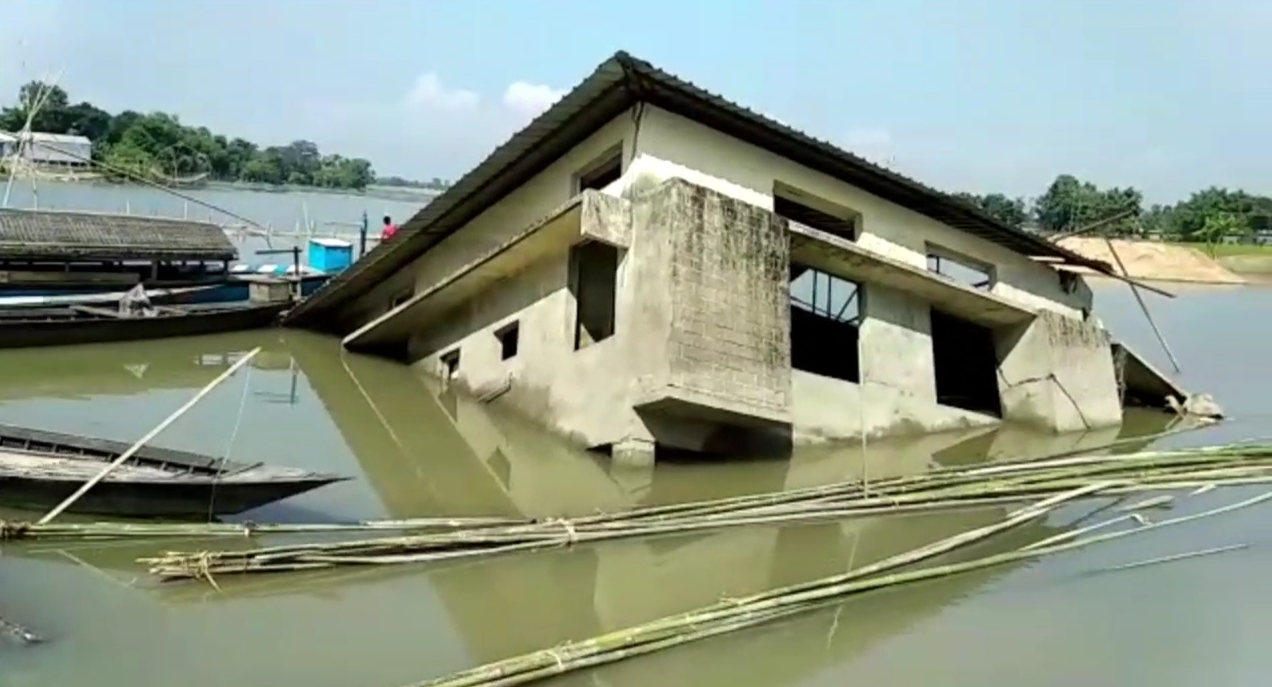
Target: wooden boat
{"points": [[39, 469], [234, 288], [78, 324]]}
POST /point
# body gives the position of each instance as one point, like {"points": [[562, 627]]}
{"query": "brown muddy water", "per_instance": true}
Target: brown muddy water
{"points": [[1055, 622]]}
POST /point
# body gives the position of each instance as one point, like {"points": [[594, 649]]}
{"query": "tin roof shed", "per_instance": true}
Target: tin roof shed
{"points": [[60, 235]]}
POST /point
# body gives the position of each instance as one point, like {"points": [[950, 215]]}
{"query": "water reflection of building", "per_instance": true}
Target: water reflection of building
{"points": [[414, 438], [427, 452]]}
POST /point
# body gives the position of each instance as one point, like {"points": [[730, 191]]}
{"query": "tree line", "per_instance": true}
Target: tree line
{"points": [[1069, 204], [158, 146]]}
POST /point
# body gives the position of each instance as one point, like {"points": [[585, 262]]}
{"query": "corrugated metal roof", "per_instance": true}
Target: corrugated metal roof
{"points": [[40, 137], [53, 235], [616, 86]]}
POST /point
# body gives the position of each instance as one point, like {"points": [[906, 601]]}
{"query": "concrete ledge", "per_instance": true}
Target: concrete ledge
{"points": [[834, 255], [697, 405]]}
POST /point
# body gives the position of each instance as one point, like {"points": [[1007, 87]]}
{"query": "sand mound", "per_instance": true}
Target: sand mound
{"points": [[1154, 261]]}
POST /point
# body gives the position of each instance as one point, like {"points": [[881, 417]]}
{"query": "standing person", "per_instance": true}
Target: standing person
{"points": [[390, 229]]}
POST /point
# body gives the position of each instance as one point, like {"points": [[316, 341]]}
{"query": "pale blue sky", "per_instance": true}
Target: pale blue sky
{"points": [[977, 95]]}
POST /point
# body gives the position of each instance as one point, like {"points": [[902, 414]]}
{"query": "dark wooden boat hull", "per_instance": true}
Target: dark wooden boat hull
{"points": [[176, 501], [25, 327], [196, 490]]}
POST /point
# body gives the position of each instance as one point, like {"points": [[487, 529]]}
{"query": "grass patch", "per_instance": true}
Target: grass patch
{"points": [[1225, 250]]}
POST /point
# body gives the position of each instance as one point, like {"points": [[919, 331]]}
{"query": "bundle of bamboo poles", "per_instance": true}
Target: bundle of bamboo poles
{"points": [[732, 615], [89, 531], [938, 490]]}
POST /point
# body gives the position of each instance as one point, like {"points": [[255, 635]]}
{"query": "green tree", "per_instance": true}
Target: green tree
{"points": [[159, 145], [1069, 204], [1010, 211]]}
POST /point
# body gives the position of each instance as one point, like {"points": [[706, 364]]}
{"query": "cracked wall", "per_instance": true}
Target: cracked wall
{"points": [[1056, 373]]}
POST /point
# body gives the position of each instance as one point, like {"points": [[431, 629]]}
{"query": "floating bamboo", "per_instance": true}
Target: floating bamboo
{"points": [[731, 615], [990, 485]]}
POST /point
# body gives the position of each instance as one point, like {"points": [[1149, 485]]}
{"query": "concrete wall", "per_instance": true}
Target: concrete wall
{"points": [[1057, 373], [672, 146], [494, 227], [576, 393], [722, 266], [701, 314]]}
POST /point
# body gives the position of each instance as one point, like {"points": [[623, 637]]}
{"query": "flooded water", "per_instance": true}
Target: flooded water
{"points": [[1048, 623]]}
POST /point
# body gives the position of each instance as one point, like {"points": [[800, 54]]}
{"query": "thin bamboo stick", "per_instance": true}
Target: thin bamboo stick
{"points": [[737, 614], [123, 457], [1120, 477]]}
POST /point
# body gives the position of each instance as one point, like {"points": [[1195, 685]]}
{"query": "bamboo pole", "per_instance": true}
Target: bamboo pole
{"points": [[1140, 299], [731, 615], [123, 457], [975, 488]]}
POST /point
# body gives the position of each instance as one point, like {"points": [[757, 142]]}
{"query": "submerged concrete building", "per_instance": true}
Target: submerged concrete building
{"points": [[648, 265]]}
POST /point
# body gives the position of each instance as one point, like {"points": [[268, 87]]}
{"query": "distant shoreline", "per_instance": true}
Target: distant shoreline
{"points": [[404, 193], [396, 193]]}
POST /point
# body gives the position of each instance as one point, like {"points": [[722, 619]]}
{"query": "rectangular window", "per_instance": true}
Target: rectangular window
{"points": [[594, 284], [811, 211], [509, 338], [961, 268], [602, 172]]}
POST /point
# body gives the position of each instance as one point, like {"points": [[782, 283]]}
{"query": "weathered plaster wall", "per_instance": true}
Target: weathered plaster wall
{"points": [[575, 393], [698, 315], [1057, 373], [726, 319], [494, 227], [672, 146], [826, 409]]}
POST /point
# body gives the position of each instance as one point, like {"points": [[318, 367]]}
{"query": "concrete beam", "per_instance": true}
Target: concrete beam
{"points": [[845, 259]]}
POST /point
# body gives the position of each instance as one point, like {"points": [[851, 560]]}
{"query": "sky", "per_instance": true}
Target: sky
{"points": [[976, 95]]}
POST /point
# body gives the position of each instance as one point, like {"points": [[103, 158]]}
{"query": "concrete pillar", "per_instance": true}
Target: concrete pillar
{"points": [[1056, 373], [633, 453], [896, 342]]}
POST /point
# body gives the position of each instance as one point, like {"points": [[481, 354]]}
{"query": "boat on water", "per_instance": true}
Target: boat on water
{"points": [[80, 324], [59, 257], [234, 289], [40, 469], [51, 252]]}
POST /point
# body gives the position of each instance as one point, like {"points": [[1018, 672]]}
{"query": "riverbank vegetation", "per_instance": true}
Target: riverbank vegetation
{"points": [[1213, 215], [159, 146]]}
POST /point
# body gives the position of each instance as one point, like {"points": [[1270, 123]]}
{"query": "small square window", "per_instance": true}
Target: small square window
{"points": [[509, 338]]}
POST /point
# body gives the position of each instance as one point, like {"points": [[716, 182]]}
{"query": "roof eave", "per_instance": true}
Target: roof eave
{"points": [[615, 86], [605, 94]]}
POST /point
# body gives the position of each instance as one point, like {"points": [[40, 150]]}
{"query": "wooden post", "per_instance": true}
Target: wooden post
{"points": [[296, 270], [362, 234], [123, 457]]}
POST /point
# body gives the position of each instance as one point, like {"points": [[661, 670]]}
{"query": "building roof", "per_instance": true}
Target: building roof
{"points": [[54, 235], [41, 137], [615, 87]]}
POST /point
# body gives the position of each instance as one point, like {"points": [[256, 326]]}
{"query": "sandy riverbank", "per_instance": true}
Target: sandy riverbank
{"points": [[1166, 262]]}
